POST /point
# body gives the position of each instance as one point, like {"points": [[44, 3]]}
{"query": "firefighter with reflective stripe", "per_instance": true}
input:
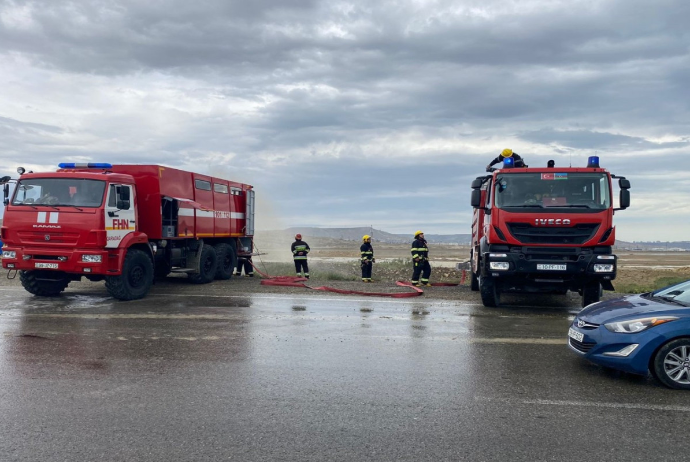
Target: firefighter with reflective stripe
{"points": [[420, 260], [366, 252], [246, 263], [506, 153], [300, 249]]}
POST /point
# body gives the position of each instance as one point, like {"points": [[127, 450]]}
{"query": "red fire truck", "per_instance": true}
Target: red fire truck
{"points": [[125, 224], [544, 230]]}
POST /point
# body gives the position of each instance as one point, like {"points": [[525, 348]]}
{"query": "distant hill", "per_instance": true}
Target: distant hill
{"points": [[355, 234]]}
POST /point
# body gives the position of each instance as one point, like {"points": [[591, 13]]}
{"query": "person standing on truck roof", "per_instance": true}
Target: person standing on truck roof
{"points": [[505, 154], [246, 263], [367, 254], [300, 249], [420, 260]]}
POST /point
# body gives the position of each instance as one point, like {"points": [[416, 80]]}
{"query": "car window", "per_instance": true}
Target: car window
{"points": [[679, 292]]}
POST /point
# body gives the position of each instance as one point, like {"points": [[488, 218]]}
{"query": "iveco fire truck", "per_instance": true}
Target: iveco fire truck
{"points": [[544, 230], [125, 224]]}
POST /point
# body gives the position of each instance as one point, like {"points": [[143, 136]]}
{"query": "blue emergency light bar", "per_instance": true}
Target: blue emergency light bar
{"points": [[508, 162], [89, 165], [593, 162]]}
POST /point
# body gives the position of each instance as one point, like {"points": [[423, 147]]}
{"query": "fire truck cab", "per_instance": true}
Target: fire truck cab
{"points": [[125, 224], [546, 230]]}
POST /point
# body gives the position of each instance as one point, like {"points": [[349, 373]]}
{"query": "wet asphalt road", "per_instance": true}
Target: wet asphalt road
{"points": [[203, 375]]}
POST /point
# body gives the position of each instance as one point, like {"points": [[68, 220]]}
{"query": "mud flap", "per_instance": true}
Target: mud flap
{"points": [[607, 285], [194, 258]]}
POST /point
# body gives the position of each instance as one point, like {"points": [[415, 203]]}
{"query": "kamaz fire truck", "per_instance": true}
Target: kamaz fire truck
{"points": [[544, 230], [125, 224]]}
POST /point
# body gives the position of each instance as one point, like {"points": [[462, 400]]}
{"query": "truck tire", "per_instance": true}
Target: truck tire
{"points": [[591, 293], [136, 278], [474, 278], [226, 262], [491, 297], [207, 266], [43, 283], [474, 281]]}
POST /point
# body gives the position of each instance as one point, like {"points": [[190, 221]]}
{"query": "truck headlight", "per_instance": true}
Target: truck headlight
{"points": [[499, 265], [9, 254], [634, 326], [603, 268], [91, 258]]}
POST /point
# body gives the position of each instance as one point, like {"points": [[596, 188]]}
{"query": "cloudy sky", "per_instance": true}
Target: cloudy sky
{"points": [[356, 113]]}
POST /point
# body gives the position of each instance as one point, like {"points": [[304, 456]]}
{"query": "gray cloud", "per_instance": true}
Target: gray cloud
{"points": [[381, 108]]}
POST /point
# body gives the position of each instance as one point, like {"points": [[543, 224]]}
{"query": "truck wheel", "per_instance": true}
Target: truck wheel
{"points": [[591, 293], [207, 266], [136, 278], [43, 283], [670, 364], [226, 261], [491, 296], [474, 282]]}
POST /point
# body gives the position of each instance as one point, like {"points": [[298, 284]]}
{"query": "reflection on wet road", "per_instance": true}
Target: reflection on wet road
{"points": [[196, 376]]}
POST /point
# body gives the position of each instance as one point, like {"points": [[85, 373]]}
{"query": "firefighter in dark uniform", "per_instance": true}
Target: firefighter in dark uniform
{"points": [[367, 254], [300, 249], [505, 155], [420, 260], [246, 263]]}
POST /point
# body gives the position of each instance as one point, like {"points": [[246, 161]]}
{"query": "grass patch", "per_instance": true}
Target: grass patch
{"points": [[656, 284]]}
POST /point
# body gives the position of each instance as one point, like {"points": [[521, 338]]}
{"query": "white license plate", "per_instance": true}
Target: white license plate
{"points": [[572, 333], [47, 265], [550, 267]]}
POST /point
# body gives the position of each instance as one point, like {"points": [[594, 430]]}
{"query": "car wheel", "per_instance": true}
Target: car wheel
{"points": [[672, 364]]}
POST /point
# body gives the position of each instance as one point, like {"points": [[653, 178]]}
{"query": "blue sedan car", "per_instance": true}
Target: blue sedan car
{"points": [[639, 333]]}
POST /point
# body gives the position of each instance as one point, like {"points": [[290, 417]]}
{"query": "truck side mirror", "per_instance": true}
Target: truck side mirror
{"points": [[624, 183], [624, 199], [476, 199], [5, 179], [6, 194], [477, 183], [122, 205]]}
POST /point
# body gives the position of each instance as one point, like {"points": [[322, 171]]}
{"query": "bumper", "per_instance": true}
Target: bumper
{"points": [[68, 261], [599, 341], [549, 266]]}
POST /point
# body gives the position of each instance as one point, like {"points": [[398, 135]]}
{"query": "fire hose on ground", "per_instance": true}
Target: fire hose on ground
{"points": [[297, 281]]}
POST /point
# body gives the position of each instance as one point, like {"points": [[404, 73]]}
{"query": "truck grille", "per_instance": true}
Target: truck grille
{"points": [[53, 239], [528, 234], [583, 347]]}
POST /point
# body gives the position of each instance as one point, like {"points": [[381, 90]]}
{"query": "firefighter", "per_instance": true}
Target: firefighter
{"points": [[246, 263], [367, 255], [420, 260], [505, 154], [300, 249]]}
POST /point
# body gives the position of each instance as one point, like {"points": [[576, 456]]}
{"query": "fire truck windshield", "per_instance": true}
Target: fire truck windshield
{"points": [[553, 190], [73, 192]]}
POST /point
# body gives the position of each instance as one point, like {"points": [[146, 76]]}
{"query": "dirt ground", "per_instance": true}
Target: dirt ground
{"points": [[637, 271]]}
